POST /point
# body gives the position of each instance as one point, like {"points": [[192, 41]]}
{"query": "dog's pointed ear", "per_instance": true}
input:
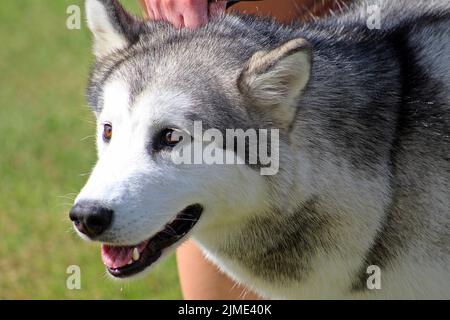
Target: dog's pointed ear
{"points": [[275, 79], [112, 26]]}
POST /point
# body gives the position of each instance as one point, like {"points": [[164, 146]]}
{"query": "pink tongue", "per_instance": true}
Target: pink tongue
{"points": [[117, 257]]}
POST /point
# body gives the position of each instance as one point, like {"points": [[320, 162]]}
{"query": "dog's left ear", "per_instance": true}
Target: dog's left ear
{"points": [[112, 26], [275, 79]]}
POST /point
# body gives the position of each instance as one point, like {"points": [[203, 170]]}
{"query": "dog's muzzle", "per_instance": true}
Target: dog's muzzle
{"points": [[125, 261]]}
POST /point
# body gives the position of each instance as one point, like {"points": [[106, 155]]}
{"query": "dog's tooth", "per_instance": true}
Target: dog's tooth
{"points": [[136, 254], [131, 261]]}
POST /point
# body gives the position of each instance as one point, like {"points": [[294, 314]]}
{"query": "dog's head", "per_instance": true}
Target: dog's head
{"points": [[149, 87]]}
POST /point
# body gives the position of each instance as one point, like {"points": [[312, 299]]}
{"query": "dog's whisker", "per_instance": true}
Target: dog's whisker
{"points": [[244, 293], [87, 137], [188, 215], [62, 205], [171, 233], [67, 197], [84, 174], [185, 219]]}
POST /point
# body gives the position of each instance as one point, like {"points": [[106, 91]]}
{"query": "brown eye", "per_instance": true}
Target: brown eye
{"points": [[107, 132], [169, 138]]}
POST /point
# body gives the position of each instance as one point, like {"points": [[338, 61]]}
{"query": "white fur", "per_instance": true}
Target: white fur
{"points": [[107, 39]]}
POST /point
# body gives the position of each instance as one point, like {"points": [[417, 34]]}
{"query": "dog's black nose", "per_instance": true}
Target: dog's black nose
{"points": [[91, 218]]}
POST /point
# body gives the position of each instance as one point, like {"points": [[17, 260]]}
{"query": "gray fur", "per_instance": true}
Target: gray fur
{"points": [[373, 123]]}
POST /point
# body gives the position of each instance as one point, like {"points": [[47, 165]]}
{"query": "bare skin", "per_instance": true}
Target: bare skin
{"points": [[183, 13], [195, 13], [201, 280]]}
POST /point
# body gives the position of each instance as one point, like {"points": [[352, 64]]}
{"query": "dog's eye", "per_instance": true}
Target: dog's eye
{"points": [[107, 132], [169, 138]]}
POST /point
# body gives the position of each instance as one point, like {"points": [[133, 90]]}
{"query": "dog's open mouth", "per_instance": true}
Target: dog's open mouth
{"points": [[125, 261]]}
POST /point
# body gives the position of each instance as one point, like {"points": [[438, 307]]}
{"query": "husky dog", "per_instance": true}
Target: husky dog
{"points": [[364, 149]]}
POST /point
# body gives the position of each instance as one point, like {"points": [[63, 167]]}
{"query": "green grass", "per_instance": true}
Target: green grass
{"points": [[46, 147]]}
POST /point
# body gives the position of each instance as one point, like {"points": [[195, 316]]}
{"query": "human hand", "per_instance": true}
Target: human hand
{"points": [[183, 13]]}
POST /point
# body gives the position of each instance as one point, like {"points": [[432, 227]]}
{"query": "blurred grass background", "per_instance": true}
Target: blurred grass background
{"points": [[46, 151]]}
